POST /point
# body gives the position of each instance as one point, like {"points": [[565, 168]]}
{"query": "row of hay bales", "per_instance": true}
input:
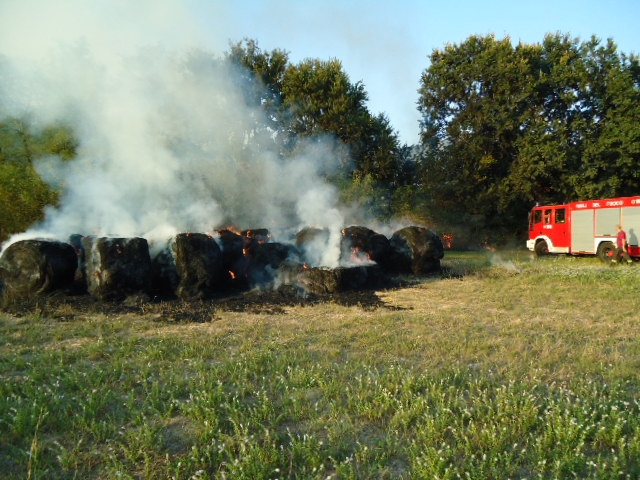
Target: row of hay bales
{"points": [[200, 266]]}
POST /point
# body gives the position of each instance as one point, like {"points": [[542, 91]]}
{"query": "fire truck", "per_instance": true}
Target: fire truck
{"points": [[585, 227]]}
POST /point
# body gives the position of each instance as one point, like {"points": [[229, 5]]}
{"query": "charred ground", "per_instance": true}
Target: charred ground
{"points": [[66, 306]]}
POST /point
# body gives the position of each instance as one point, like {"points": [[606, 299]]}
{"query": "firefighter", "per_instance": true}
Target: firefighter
{"points": [[622, 245]]}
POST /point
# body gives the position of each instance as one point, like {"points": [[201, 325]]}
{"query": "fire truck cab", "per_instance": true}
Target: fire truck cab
{"points": [[585, 227]]}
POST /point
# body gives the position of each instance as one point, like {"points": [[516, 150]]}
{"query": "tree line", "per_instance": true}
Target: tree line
{"points": [[503, 126]]}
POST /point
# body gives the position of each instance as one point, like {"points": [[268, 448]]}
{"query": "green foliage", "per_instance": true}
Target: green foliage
{"points": [[23, 194], [507, 126], [321, 100], [316, 99], [504, 385], [263, 74]]}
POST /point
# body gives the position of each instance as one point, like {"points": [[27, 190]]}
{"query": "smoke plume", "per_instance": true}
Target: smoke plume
{"points": [[167, 142]]}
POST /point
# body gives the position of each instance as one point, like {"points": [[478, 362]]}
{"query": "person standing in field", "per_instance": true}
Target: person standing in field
{"points": [[622, 245]]}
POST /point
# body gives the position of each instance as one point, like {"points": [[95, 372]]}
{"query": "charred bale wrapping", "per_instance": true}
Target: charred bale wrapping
{"points": [[117, 267], [199, 266], [362, 243], [264, 259], [164, 277], [320, 281], [311, 242], [80, 280], [260, 235], [35, 267], [415, 250], [234, 261]]}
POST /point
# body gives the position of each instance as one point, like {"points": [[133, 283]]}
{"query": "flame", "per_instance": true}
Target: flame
{"points": [[359, 256], [447, 239], [232, 274]]}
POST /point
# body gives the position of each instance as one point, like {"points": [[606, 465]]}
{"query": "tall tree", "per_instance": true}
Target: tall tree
{"points": [[507, 126], [471, 98], [611, 159], [23, 194], [316, 99], [262, 73], [321, 100]]}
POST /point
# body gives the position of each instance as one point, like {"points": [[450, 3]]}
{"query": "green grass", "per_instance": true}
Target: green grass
{"points": [[506, 367]]}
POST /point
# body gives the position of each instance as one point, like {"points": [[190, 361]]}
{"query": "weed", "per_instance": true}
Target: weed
{"points": [[506, 367]]}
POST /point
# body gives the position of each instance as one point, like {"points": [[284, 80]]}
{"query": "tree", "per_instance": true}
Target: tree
{"points": [[505, 126], [471, 99], [611, 157], [23, 194], [262, 75], [313, 100], [320, 100]]}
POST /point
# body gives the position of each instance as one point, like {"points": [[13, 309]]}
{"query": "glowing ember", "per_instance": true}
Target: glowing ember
{"points": [[447, 240]]}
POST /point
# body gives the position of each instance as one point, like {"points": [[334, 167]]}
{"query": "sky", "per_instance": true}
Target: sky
{"points": [[162, 131], [386, 44], [383, 44]]}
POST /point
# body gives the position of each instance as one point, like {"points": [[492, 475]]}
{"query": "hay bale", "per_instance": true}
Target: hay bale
{"points": [[234, 262], [80, 278], [164, 277], [264, 259], [261, 235], [35, 267], [117, 267], [415, 250], [361, 244], [199, 266], [311, 242], [320, 280]]}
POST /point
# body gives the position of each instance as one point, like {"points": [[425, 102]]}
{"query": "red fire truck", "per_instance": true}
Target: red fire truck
{"points": [[585, 227]]}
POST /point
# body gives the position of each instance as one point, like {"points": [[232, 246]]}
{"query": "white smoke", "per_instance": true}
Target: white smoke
{"points": [[166, 141]]}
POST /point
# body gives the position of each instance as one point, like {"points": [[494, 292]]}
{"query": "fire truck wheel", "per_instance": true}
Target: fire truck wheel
{"points": [[542, 248], [606, 251]]}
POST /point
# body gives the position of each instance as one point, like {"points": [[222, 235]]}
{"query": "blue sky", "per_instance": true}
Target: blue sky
{"points": [[386, 44]]}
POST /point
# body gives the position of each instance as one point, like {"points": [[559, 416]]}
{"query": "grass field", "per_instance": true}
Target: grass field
{"points": [[503, 367]]}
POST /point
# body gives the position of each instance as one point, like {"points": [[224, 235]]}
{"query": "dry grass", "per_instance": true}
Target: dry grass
{"points": [[502, 365]]}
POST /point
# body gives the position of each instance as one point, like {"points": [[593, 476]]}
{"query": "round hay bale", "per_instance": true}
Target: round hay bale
{"points": [[264, 259], [199, 266], [320, 280], [35, 267], [415, 250], [311, 243], [234, 261], [117, 267], [361, 244]]}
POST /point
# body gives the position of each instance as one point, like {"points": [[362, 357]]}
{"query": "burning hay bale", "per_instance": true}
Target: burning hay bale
{"points": [[117, 267], [195, 266], [35, 267], [199, 266], [259, 235], [415, 250], [251, 258], [362, 245], [322, 281], [233, 248], [264, 259], [311, 242]]}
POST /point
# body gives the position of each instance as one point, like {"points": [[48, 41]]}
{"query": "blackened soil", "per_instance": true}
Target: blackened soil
{"points": [[65, 306]]}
